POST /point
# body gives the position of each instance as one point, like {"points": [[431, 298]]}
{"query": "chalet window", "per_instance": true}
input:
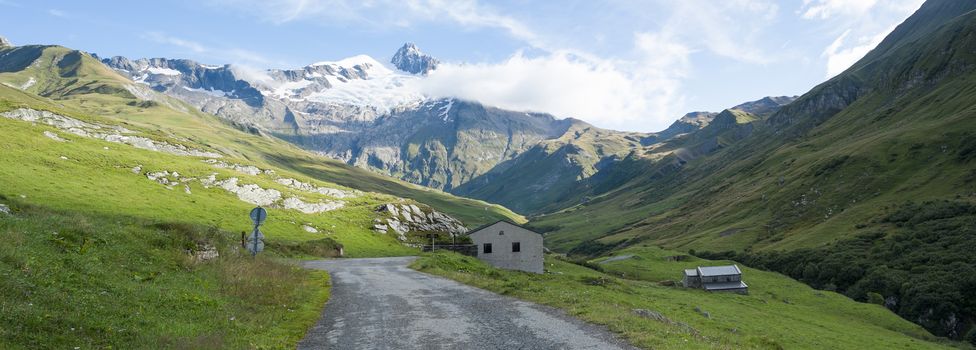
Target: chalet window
{"points": [[516, 247], [501, 233], [486, 248]]}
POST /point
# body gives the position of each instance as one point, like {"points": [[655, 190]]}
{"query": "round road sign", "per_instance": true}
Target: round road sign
{"points": [[258, 215]]}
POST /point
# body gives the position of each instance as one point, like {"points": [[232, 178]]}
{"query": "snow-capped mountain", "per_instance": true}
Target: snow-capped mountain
{"points": [[410, 59], [357, 110]]}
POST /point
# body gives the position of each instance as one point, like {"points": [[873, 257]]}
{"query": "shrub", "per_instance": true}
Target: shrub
{"points": [[875, 298]]}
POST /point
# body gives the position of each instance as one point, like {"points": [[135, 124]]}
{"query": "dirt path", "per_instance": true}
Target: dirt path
{"points": [[382, 304]]}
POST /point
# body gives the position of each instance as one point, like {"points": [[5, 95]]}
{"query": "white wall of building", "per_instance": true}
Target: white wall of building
{"points": [[501, 235]]}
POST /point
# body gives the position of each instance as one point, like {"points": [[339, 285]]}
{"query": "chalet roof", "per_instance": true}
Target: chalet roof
{"points": [[505, 221], [691, 272], [705, 271], [724, 285]]}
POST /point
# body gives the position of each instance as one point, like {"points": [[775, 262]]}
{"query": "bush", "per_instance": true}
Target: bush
{"points": [[875, 298], [924, 265]]}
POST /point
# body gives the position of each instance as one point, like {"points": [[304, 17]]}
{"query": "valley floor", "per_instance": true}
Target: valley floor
{"points": [[635, 295]]}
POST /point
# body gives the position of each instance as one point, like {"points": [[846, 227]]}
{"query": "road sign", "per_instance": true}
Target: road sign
{"points": [[255, 235], [258, 215], [255, 242], [255, 246]]}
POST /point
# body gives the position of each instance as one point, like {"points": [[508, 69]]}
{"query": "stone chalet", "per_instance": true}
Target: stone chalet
{"points": [[716, 279], [509, 246]]}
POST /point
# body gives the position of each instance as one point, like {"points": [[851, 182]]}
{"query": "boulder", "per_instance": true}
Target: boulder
{"points": [[310, 208], [54, 136], [205, 252], [4, 209], [416, 210]]}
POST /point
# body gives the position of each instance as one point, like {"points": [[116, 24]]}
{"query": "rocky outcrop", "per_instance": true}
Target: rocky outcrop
{"points": [[254, 194], [204, 252], [310, 208], [765, 106], [54, 136], [249, 193], [110, 133], [404, 218], [4, 43], [244, 169], [307, 187], [168, 179], [4, 209], [409, 59]]}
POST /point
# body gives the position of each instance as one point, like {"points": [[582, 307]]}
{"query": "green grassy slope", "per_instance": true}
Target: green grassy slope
{"points": [[897, 128], [779, 313], [543, 176], [70, 280]]}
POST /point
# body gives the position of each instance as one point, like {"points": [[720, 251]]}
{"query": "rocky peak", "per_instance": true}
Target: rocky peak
{"points": [[697, 119], [765, 106], [410, 59], [5, 43]]}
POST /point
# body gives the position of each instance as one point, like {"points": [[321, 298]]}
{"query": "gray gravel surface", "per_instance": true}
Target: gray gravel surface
{"points": [[382, 304]]}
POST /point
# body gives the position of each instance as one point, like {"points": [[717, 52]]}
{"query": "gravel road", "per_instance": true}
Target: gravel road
{"points": [[382, 304]]}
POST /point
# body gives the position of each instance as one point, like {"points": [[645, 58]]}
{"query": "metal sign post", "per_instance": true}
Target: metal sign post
{"points": [[255, 242]]}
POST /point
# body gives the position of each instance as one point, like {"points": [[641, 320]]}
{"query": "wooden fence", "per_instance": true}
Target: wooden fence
{"points": [[466, 249]]}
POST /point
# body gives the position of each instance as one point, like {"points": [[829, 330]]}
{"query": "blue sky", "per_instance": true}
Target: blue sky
{"points": [[627, 65]]}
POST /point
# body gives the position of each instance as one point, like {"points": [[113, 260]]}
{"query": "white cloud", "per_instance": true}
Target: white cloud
{"points": [[843, 52], [611, 94], [726, 28], [57, 13], [162, 38], [824, 9], [865, 24]]}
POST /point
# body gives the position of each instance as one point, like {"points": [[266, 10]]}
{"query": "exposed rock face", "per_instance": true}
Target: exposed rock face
{"points": [[688, 123], [409, 59], [250, 193], [404, 218], [244, 169], [310, 208], [306, 187], [116, 134], [54, 136], [766, 105], [254, 194], [5, 43], [204, 252]]}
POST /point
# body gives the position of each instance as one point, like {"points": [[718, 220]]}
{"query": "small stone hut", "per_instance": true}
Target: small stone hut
{"points": [[716, 279], [509, 246]]}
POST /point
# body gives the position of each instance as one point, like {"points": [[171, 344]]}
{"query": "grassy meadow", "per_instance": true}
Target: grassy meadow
{"points": [[71, 280], [778, 313]]}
